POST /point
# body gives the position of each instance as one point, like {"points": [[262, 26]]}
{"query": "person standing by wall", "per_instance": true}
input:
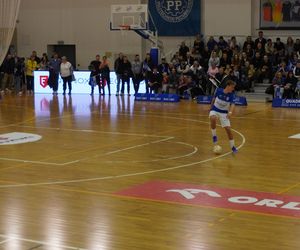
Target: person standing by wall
{"points": [[54, 69], [105, 74], [66, 72], [31, 66], [8, 68], [118, 69], [19, 75], [136, 73], [126, 73], [95, 67]]}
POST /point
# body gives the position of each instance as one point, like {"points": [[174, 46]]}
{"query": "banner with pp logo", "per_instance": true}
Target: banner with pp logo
{"points": [[175, 17]]}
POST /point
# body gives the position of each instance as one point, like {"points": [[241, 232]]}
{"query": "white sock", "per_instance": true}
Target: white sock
{"points": [[214, 132], [231, 142]]}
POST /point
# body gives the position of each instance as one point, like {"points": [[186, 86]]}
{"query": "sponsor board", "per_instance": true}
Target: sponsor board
{"points": [[216, 197], [286, 103], [79, 86], [18, 138], [157, 97]]}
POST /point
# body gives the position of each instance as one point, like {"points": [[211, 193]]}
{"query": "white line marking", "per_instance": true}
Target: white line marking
{"points": [[40, 242], [165, 159], [94, 131], [39, 162], [124, 149], [2, 242], [297, 136], [138, 146]]}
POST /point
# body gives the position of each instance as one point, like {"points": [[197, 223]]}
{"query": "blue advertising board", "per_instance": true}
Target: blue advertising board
{"points": [[286, 103], [157, 97]]}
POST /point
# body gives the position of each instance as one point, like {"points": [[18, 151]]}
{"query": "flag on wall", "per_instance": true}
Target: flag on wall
{"points": [[175, 17]]}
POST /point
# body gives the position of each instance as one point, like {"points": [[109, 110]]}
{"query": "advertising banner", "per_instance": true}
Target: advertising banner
{"points": [[175, 18]]}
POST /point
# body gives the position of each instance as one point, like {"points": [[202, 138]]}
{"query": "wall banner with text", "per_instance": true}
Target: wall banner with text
{"points": [[176, 17]]}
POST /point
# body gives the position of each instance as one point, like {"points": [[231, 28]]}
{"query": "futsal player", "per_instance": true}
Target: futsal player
{"points": [[222, 107]]}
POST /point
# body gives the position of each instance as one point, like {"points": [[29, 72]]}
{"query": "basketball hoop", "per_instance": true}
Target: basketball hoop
{"points": [[124, 27]]}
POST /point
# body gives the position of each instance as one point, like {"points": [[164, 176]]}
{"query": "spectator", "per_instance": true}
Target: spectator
{"points": [[214, 59], [260, 39], [31, 66], [8, 69], [66, 73], [126, 73], [183, 50], [290, 85], [137, 75], [198, 45], [95, 67], [224, 60], [173, 81], [155, 81], [250, 42], [222, 44], [269, 48], [105, 75], [289, 47], [211, 43], [164, 66], [117, 66], [146, 70]]}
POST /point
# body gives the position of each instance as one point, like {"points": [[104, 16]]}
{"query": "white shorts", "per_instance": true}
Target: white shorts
{"points": [[225, 122]]}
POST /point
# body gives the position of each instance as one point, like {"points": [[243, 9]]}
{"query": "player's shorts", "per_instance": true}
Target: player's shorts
{"points": [[225, 122]]}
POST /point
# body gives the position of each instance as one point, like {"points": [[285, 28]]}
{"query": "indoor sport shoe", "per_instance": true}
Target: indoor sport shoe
{"points": [[234, 150]]}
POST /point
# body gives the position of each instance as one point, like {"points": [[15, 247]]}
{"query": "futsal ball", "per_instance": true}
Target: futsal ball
{"points": [[217, 149]]}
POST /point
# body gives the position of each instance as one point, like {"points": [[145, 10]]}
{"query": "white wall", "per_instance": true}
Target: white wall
{"points": [[84, 23], [226, 17]]}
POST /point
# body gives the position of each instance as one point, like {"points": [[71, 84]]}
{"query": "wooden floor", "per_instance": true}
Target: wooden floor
{"points": [[63, 191]]}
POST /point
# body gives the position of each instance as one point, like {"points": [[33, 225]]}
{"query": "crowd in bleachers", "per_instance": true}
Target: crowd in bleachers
{"points": [[193, 70], [200, 67]]}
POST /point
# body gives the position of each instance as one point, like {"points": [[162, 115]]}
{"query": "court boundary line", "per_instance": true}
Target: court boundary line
{"points": [[4, 241], [39, 242]]}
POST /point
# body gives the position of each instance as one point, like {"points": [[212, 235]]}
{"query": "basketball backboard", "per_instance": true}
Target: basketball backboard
{"points": [[129, 17]]}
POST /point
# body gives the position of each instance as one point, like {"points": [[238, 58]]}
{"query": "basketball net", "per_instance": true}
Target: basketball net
{"points": [[124, 28]]}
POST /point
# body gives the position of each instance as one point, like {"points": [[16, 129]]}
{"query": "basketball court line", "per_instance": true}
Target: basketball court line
{"points": [[195, 150], [296, 136], [94, 131], [9, 238], [39, 162], [4, 241]]}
